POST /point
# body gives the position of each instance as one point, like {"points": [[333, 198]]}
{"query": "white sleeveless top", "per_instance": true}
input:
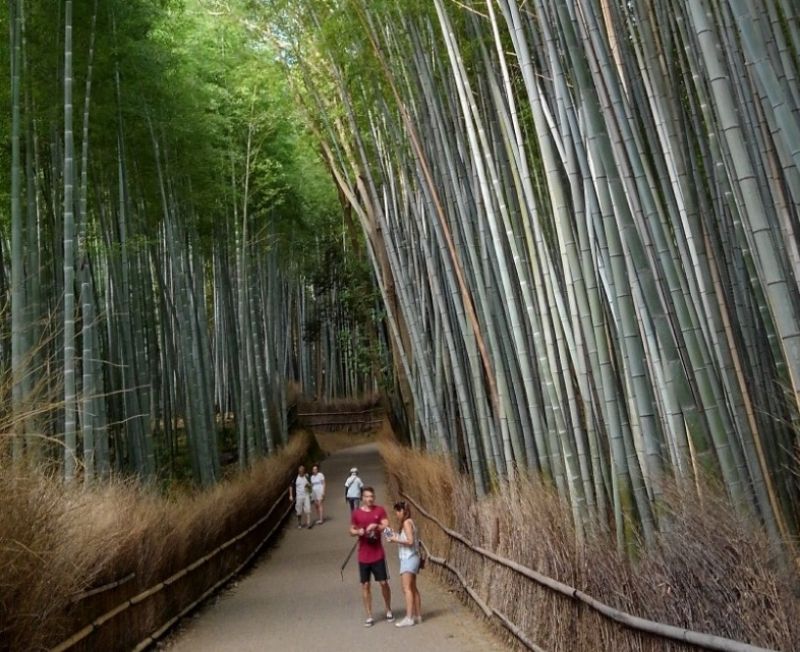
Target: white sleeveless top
{"points": [[407, 552]]}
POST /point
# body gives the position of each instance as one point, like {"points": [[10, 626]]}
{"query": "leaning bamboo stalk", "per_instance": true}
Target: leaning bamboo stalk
{"points": [[778, 288], [422, 161]]}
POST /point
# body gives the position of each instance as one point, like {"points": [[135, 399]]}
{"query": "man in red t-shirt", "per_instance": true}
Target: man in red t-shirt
{"points": [[367, 523]]}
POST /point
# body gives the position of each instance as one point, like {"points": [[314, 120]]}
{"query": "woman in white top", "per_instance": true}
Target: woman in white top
{"points": [[318, 491], [300, 495], [408, 550]]}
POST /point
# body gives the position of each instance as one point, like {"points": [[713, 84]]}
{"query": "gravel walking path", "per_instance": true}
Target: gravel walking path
{"points": [[294, 599]]}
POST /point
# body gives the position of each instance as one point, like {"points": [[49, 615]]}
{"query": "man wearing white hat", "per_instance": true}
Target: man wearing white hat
{"points": [[352, 489]]}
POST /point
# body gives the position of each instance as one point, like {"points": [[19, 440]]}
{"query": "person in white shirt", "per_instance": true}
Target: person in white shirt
{"points": [[352, 489], [300, 495], [318, 492]]}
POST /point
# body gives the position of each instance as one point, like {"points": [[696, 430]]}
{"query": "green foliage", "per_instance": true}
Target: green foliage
{"points": [[193, 105], [195, 78]]}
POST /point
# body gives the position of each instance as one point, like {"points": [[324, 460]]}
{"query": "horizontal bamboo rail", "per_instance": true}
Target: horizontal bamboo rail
{"points": [[338, 412], [147, 593], [485, 608], [102, 589], [370, 422], [698, 639], [147, 642]]}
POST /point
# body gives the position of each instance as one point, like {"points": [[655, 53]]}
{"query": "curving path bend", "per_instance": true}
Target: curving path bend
{"points": [[294, 598]]}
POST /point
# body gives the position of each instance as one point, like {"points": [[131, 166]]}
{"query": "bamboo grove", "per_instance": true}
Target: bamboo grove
{"points": [[583, 218], [166, 210]]}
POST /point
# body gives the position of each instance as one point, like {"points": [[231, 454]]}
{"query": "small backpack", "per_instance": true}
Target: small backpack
{"points": [[423, 557]]}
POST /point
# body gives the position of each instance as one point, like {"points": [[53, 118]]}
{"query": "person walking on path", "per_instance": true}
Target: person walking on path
{"points": [[352, 489], [407, 542], [318, 492], [367, 523], [300, 495]]}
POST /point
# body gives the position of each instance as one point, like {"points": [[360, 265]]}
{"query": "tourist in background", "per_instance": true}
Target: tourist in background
{"points": [[300, 495], [318, 492], [352, 489]]}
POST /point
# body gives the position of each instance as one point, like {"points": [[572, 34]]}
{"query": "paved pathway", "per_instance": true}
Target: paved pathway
{"points": [[294, 599]]}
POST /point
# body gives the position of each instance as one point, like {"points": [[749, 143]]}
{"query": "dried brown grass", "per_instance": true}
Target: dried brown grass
{"points": [[294, 392], [55, 542], [713, 571]]}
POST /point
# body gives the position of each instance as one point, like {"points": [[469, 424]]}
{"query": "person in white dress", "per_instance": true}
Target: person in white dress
{"points": [[318, 492]]}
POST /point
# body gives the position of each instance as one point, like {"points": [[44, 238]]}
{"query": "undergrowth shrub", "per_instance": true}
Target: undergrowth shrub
{"points": [[57, 541], [45, 557], [712, 570]]}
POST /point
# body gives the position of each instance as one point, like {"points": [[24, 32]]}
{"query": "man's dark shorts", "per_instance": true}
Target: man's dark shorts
{"points": [[377, 569]]}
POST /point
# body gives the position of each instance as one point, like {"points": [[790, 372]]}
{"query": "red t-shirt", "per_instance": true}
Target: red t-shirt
{"points": [[370, 549]]}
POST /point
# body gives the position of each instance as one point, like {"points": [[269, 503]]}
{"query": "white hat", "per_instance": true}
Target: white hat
{"points": [[354, 470]]}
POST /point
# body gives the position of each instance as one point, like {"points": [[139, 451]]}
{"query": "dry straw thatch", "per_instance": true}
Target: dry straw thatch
{"points": [[56, 542], [712, 572]]}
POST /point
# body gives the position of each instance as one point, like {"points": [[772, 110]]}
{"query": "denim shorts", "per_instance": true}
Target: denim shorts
{"points": [[410, 565]]}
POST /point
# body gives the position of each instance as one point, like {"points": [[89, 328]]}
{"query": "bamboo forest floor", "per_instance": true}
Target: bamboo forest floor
{"points": [[294, 598]]}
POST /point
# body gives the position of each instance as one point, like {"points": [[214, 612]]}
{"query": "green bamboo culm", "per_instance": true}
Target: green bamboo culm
{"points": [[70, 391], [583, 221], [161, 285]]}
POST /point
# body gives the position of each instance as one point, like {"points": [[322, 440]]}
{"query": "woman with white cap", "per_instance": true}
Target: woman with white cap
{"points": [[352, 489]]}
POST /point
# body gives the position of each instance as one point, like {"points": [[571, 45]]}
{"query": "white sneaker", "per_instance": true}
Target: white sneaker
{"points": [[369, 622], [389, 616], [406, 622]]}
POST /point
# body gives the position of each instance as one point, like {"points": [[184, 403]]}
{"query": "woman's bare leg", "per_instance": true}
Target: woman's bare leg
{"points": [[417, 600], [408, 592]]}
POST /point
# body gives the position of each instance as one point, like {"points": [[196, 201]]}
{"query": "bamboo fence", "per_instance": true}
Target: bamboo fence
{"points": [[670, 632]]}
